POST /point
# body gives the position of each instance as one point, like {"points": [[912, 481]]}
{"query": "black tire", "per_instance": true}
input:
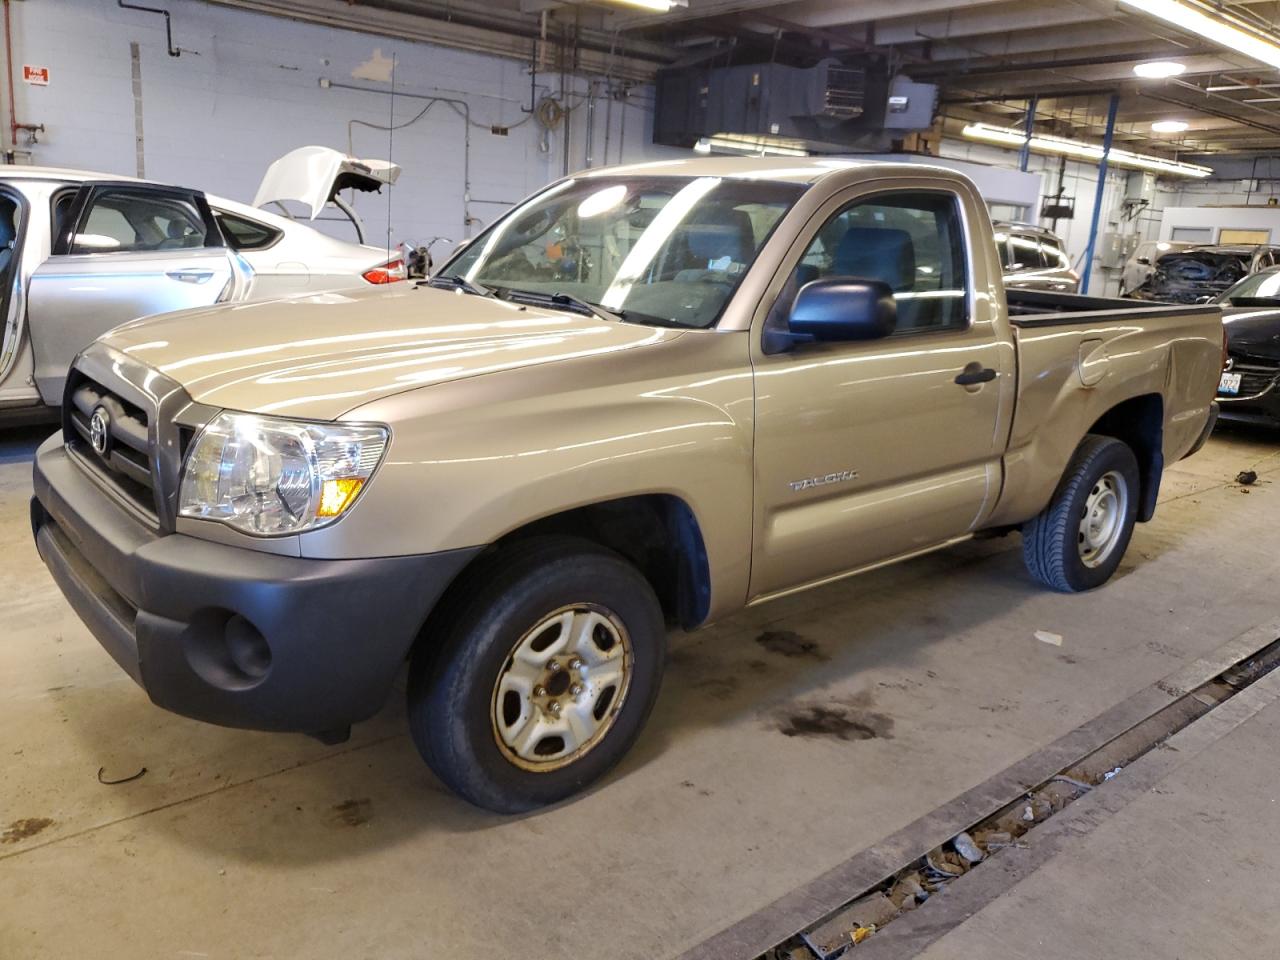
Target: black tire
{"points": [[1050, 541], [456, 665]]}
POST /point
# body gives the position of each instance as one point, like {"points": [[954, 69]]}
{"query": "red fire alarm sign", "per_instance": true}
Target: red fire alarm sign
{"points": [[38, 75]]}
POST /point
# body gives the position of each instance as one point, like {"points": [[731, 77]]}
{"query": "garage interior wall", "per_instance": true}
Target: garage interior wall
{"points": [[247, 88]]}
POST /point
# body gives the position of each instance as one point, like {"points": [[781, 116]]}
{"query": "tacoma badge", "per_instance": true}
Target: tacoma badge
{"points": [[840, 476]]}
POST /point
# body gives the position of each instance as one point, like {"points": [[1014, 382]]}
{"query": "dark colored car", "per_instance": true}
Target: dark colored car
{"points": [[1201, 274], [1251, 315]]}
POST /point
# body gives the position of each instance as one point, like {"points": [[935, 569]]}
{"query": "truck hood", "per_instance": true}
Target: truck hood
{"points": [[322, 355]]}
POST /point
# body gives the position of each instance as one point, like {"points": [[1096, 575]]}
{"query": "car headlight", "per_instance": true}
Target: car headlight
{"points": [[268, 475]]}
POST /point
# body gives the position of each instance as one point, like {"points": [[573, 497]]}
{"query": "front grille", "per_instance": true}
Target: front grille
{"points": [[1257, 376], [126, 462]]}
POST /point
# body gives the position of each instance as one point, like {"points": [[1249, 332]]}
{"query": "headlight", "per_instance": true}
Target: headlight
{"points": [[265, 475]]}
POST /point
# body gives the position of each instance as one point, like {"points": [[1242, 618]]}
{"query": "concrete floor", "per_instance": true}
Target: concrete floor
{"points": [[237, 844]]}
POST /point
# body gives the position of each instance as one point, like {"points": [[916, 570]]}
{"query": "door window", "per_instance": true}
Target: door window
{"points": [[912, 241], [121, 221]]}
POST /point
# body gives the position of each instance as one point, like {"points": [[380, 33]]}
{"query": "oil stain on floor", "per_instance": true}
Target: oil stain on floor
{"points": [[788, 643], [840, 720], [24, 829], [353, 813]]}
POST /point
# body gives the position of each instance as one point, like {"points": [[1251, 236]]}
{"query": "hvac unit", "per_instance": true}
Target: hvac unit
{"points": [[831, 103]]}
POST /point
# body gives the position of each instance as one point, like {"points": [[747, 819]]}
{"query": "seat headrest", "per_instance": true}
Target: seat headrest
{"points": [[721, 232], [877, 253]]}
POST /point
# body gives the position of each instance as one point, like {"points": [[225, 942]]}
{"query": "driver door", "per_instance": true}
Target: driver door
{"points": [[122, 251], [871, 450]]}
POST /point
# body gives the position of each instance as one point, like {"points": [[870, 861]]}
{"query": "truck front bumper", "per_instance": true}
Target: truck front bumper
{"points": [[230, 635]]}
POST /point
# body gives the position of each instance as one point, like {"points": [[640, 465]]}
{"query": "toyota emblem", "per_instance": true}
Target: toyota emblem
{"points": [[99, 431]]}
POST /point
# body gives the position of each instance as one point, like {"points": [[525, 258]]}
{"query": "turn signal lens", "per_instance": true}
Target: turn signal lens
{"points": [[337, 495], [388, 272]]}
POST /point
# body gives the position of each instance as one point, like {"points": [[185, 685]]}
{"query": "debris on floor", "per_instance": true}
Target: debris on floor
{"points": [[1247, 478], [111, 782], [1053, 639]]}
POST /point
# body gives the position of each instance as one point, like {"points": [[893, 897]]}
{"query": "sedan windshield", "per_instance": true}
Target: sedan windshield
{"points": [[667, 251], [1254, 289]]}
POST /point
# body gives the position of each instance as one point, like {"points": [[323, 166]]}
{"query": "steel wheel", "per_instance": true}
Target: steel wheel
{"points": [[1102, 519], [562, 687]]}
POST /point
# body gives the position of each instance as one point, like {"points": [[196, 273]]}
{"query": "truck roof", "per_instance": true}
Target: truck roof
{"points": [[791, 169]]}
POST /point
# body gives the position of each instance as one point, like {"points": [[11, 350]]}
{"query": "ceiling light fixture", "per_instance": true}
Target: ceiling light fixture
{"points": [[1170, 126], [656, 6], [1230, 33], [1061, 146], [1159, 69]]}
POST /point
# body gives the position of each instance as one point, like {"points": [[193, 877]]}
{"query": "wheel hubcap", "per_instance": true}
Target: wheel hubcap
{"points": [[562, 687], [1102, 519]]}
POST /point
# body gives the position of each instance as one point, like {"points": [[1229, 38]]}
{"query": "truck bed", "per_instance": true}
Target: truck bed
{"points": [[1039, 308]]}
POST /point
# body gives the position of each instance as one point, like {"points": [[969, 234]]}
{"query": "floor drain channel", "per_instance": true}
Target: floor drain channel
{"points": [[911, 887]]}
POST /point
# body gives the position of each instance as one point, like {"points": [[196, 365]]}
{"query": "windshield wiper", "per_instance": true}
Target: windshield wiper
{"points": [[455, 282], [569, 300]]}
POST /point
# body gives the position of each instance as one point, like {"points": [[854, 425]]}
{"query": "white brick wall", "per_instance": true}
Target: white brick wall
{"points": [[216, 117]]}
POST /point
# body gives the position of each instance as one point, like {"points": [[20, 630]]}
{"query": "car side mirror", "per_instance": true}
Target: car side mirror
{"points": [[843, 308], [1145, 261]]}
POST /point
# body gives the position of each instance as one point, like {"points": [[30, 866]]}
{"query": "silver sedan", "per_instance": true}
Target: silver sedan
{"points": [[82, 252]]}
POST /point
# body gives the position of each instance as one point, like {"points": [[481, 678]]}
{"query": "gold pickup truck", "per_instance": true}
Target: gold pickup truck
{"points": [[644, 398]]}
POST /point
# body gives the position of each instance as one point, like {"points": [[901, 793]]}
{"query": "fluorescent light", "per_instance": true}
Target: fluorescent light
{"points": [[752, 145], [1169, 126], [1159, 69], [1253, 44], [1061, 146], [659, 6]]}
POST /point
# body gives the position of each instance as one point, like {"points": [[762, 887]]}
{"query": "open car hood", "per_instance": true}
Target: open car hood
{"points": [[313, 175]]}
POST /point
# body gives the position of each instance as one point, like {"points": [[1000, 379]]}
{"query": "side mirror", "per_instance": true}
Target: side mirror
{"points": [[843, 308], [1145, 261]]}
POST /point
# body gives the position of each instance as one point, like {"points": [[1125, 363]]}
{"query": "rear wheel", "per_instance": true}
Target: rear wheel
{"points": [[546, 669], [1079, 539]]}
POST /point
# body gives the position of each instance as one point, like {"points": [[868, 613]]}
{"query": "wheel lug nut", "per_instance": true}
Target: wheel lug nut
{"points": [[553, 666], [555, 708], [539, 691], [575, 664], [576, 689]]}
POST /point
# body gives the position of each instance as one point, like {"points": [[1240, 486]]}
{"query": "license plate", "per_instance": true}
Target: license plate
{"points": [[1230, 383]]}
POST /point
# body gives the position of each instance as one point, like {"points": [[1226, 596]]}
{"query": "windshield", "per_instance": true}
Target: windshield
{"points": [[659, 250], [1258, 286]]}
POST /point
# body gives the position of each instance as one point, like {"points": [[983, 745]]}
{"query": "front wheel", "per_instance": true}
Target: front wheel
{"points": [[547, 666], [1078, 540]]}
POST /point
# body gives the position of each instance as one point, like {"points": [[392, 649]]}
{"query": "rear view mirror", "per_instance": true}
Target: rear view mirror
{"points": [[1145, 261], [843, 308]]}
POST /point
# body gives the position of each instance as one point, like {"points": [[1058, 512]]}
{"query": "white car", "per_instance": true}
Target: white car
{"points": [[81, 253]]}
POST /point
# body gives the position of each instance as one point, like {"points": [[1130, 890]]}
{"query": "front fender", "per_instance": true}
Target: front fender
{"points": [[474, 460]]}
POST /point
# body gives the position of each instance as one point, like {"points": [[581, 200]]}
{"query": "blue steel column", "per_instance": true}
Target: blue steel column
{"points": [[1028, 128], [1102, 186]]}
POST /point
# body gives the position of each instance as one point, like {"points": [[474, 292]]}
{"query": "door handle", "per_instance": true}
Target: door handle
{"points": [[974, 374], [189, 276]]}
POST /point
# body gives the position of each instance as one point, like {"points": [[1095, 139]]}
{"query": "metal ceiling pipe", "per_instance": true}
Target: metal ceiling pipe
{"points": [[1112, 108], [1029, 129]]}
